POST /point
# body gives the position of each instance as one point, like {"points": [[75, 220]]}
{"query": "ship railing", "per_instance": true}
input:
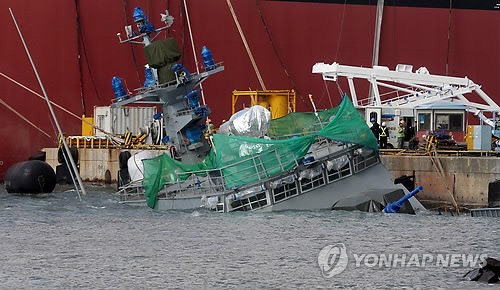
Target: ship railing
{"points": [[203, 72], [184, 112], [364, 158], [332, 146], [201, 182], [332, 168], [131, 191], [212, 182], [259, 167], [143, 90], [254, 169]]}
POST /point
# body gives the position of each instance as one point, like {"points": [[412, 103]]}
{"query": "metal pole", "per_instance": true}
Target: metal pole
{"points": [[73, 165], [315, 111], [378, 25], [376, 44], [246, 44], [194, 51]]}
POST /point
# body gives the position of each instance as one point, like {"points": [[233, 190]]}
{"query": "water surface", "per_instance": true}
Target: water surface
{"points": [[57, 241]]}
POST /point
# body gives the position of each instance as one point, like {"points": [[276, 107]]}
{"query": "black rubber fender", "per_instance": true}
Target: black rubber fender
{"points": [[32, 176], [61, 153], [494, 194], [123, 159], [40, 155]]}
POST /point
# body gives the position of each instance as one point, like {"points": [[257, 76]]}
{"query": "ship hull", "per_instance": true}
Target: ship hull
{"points": [[374, 179], [347, 178]]}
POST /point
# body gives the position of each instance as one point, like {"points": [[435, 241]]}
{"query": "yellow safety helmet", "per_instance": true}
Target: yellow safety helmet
{"points": [[402, 122]]}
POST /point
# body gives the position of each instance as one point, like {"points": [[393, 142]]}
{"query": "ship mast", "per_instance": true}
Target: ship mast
{"points": [[179, 121]]}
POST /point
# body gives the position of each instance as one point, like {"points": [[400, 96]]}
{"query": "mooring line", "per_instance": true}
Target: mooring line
{"points": [[25, 119]]}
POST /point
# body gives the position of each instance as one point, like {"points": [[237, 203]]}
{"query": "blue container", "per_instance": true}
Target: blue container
{"points": [[150, 80], [208, 59], [118, 88], [193, 134], [157, 116], [193, 98]]}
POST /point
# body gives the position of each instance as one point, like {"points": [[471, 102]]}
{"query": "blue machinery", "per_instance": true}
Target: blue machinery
{"points": [[394, 207]]}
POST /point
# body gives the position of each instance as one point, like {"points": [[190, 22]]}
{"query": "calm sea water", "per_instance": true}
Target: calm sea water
{"points": [[57, 241]]}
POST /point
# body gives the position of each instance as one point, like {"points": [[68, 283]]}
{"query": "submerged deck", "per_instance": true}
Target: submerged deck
{"points": [[485, 212]]}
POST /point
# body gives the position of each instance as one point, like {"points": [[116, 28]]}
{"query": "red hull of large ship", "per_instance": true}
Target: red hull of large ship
{"points": [[76, 51]]}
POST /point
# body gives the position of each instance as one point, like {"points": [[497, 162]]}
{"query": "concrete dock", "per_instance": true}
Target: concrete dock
{"points": [[467, 177]]}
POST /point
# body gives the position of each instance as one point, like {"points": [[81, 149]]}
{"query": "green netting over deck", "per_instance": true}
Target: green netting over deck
{"points": [[347, 125], [300, 123], [235, 155], [164, 169]]}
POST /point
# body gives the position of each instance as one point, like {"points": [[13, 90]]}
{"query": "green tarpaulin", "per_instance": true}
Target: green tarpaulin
{"points": [[344, 124], [162, 52], [166, 170], [300, 123]]}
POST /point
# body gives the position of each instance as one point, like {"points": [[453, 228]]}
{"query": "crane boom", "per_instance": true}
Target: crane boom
{"points": [[409, 89]]}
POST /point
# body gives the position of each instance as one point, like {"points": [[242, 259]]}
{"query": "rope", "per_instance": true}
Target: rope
{"points": [[341, 29], [395, 51], [56, 105], [194, 51], [183, 45], [326, 92], [246, 45], [131, 48], [137, 165], [337, 53], [279, 58], [24, 118], [340, 89], [449, 32], [439, 168], [86, 58], [41, 183], [79, 56]]}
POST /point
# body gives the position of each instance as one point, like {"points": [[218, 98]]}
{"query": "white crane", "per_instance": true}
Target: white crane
{"points": [[409, 89]]}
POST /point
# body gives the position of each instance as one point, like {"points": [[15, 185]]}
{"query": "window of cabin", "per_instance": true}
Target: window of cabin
{"points": [[424, 121], [450, 122], [456, 122]]}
